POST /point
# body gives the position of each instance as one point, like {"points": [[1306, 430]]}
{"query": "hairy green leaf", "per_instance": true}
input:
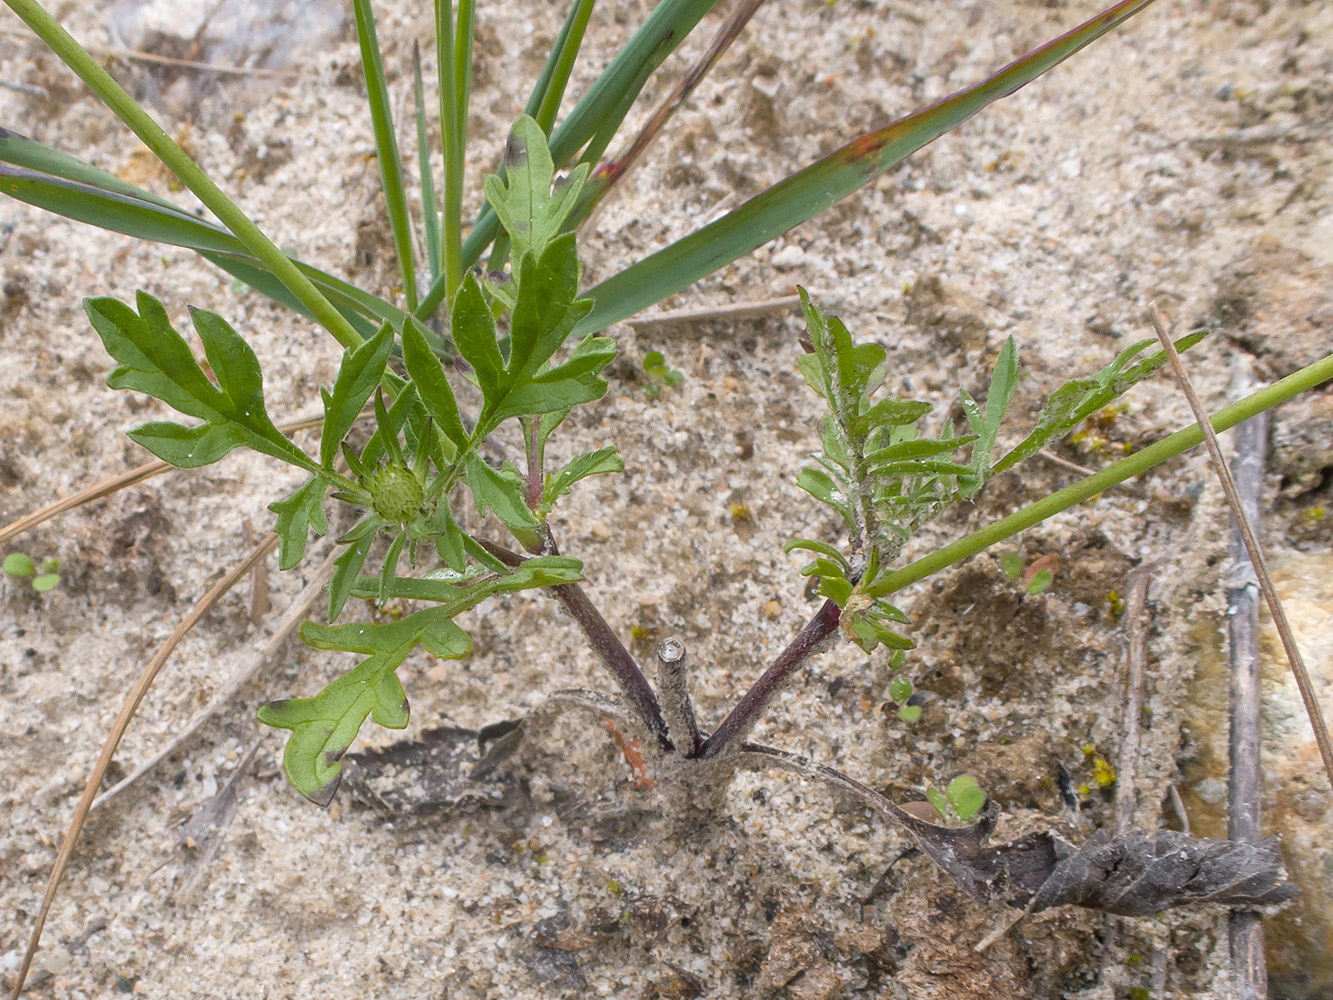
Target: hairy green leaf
{"points": [[1078, 399]]}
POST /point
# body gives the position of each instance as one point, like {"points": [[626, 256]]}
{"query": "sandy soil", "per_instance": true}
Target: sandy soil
{"points": [[1186, 159]]}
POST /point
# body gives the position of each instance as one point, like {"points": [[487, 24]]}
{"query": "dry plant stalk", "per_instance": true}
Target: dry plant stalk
{"points": [[1256, 555], [118, 728]]}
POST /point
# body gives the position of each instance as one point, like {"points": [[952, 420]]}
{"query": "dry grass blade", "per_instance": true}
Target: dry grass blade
{"points": [[122, 723], [736, 310], [291, 620], [1256, 555], [116, 483], [619, 167]]}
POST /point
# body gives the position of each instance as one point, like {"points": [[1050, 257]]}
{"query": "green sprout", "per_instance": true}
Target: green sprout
{"points": [[660, 374], [961, 799], [20, 566]]}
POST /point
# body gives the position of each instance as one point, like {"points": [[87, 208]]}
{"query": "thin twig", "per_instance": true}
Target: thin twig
{"points": [[122, 481], [290, 621], [132, 701], [1137, 658], [1294, 658], [734, 311], [1245, 927], [747, 711]]}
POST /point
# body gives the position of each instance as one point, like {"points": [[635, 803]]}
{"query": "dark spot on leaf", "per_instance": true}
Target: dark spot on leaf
{"points": [[516, 154], [325, 795]]}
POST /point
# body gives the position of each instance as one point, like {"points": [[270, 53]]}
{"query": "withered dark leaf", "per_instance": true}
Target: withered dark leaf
{"points": [[446, 769], [1139, 874]]}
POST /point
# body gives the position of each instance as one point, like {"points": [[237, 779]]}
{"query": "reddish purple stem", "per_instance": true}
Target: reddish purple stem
{"points": [[747, 711]]}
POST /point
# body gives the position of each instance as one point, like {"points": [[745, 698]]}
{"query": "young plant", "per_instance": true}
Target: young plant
{"points": [[20, 566], [465, 353], [660, 374], [1035, 578]]}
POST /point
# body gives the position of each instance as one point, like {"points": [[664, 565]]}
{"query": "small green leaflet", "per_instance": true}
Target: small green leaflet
{"points": [[428, 376], [155, 359], [324, 726], [358, 375], [300, 512], [1078, 399], [493, 490], [594, 463], [986, 425], [527, 208]]}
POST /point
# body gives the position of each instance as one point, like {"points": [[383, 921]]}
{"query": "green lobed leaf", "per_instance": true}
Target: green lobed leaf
{"points": [[300, 512], [155, 359], [530, 212], [594, 463], [323, 727], [358, 375]]}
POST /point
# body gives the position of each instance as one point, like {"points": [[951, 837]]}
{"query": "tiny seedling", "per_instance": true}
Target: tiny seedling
{"points": [[1034, 578], [21, 567], [961, 799], [660, 374]]}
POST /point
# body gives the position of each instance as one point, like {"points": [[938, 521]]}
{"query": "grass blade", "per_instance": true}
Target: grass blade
{"points": [[143, 216], [567, 53], [90, 71], [430, 211], [598, 112], [386, 146], [824, 183], [452, 234]]}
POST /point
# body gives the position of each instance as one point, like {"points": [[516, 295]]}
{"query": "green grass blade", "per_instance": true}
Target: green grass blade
{"points": [[90, 71], [386, 146], [466, 28], [824, 183], [601, 109], [452, 235], [430, 212], [133, 214], [20, 151], [565, 56]]}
